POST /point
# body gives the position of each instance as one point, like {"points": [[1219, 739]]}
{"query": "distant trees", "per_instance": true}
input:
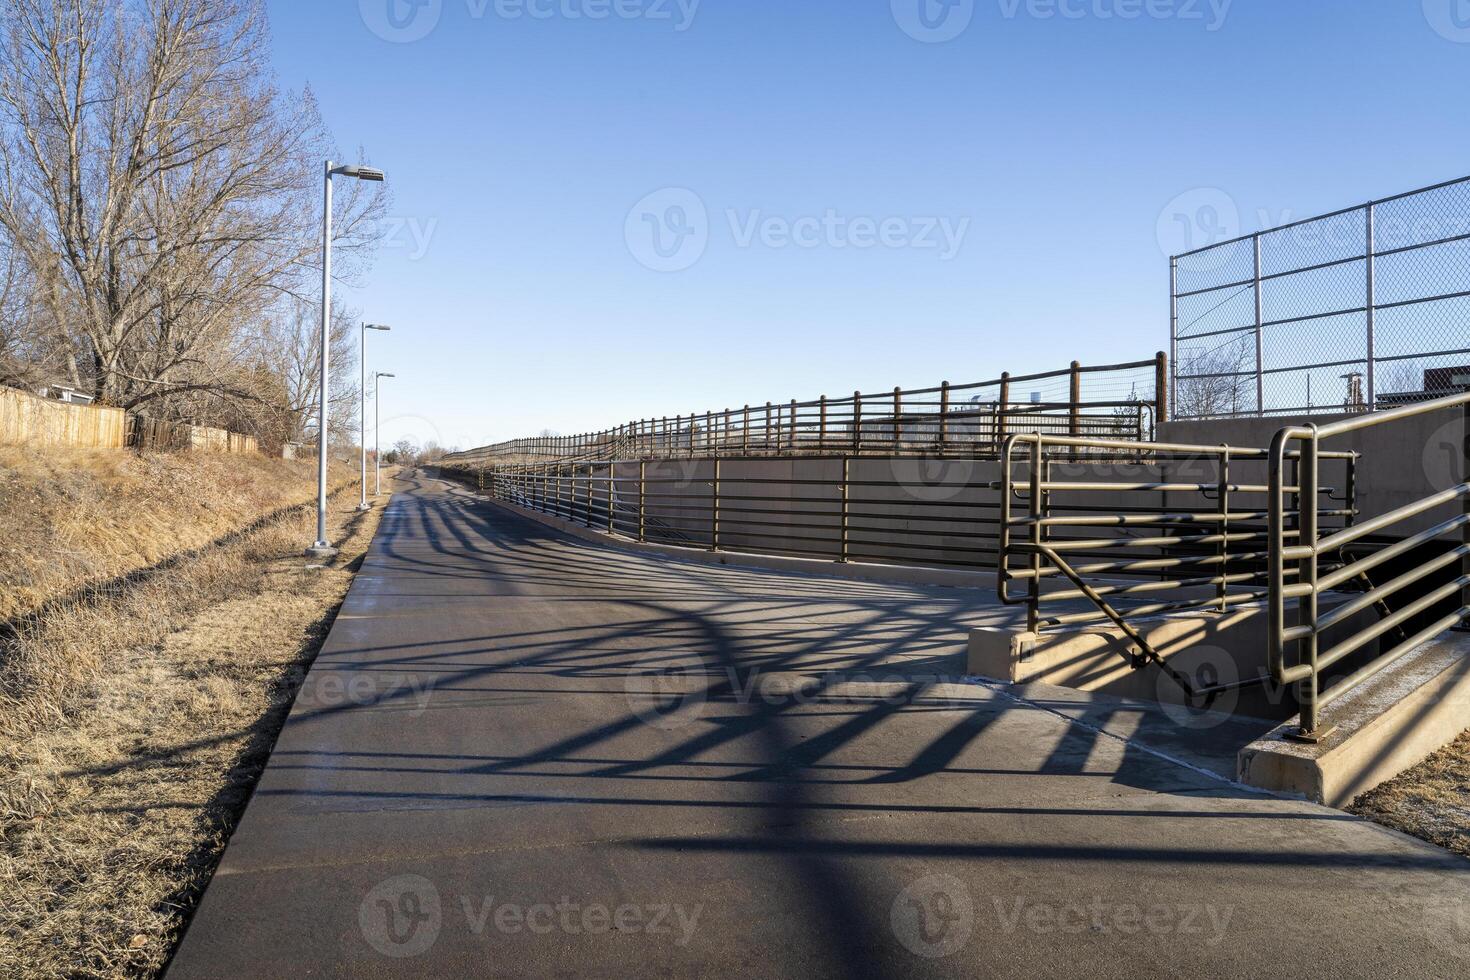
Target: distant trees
{"points": [[406, 452], [1216, 382], [157, 227]]}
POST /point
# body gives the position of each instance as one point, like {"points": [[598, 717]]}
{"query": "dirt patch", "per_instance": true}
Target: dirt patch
{"points": [[114, 812], [1431, 801]]}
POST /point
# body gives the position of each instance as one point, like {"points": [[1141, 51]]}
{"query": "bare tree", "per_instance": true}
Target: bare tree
{"points": [[1216, 382], [287, 358], [155, 179]]}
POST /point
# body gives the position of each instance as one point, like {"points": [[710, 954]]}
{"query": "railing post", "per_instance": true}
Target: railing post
{"points": [[1310, 686], [745, 433], [822, 425], [612, 472], [714, 536], [1038, 534], [642, 499], [897, 417], [1464, 503], [943, 417], [791, 445], [1173, 333], [857, 422], [1371, 307], [846, 494], [766, 438], [1075, 397], [1224, 532], [1260, 340], [1161, 388], [1001, 409]]}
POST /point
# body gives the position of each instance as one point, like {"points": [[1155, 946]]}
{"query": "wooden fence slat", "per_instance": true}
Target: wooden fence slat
{"points": [[31, 420]]}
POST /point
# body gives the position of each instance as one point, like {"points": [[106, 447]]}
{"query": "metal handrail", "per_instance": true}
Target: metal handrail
{"points": [[842, 516], [947, 420], [1218, 551], [1312, 549]]}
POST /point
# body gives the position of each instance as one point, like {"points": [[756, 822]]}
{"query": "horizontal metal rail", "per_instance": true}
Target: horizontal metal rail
{"points": [[1203, 542], [714, 505], [1444, 603], [1122, 401]]}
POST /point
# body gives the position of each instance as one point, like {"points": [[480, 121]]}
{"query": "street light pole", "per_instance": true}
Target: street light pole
{"points": [[377, 438], [362, 412], [322, 549]]}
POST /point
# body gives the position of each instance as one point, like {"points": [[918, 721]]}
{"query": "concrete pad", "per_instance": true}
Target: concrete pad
{"points": [[1212, 647], [1391, 722]]}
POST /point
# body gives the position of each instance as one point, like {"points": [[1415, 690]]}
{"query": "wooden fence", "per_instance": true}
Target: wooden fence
{"points": [[156, 434], [30, 420]]}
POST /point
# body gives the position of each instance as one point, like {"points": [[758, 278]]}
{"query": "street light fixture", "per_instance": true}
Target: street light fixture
{"points": [[362, 416], [377, 439], [322, 549]]}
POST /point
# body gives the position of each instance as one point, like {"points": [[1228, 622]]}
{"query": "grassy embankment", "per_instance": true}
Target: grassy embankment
{"points": [[157, 620]]}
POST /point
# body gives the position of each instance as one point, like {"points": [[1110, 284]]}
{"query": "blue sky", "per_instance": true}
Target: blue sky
{"points": [[846, 194]]}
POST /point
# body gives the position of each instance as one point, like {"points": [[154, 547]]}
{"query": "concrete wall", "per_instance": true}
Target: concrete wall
{"points": [[1401, 461]]}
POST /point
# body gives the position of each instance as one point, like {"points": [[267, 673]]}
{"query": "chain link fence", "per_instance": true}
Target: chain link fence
{"points": [[1363, 308]]}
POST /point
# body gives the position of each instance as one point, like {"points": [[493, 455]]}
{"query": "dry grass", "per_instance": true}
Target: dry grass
{"points": [[72, 517], [120, 783], [1431, 801]]}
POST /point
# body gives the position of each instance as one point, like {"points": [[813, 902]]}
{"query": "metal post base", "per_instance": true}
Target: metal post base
{"points": [[322, 552], [366, 506], [1312, 738]]}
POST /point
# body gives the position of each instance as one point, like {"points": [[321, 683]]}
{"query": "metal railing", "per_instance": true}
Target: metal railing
{"points": [[838, 508], [1437, 589], [1168, 527], [1106, 401], [1350, 311]]}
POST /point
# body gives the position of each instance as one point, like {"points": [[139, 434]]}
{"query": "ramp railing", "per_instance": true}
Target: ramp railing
{"points": [[1129, 531], [1104, 401], [842, 508], [1430, 597]]}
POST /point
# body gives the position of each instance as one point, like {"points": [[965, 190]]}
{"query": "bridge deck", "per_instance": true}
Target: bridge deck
{"points": [[483, 777]]}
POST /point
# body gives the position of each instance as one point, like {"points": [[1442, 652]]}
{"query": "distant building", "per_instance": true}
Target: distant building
{"points": [[64, 393], [1438, 382]]}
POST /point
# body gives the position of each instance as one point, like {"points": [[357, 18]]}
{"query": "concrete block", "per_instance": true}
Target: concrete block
{"points": [[1217, 647], [1390, 723]]}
